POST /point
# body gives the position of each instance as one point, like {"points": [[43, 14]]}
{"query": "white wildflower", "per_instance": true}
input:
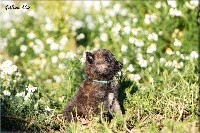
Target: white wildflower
{"points": [[43, 63], [6, 93], [27, 96], [175, 12], [117, 8], [21, 94], [127, 29], [54, 59], [177, 42], [160, 33], [178, 53], [22, 54], [88, 19], [82, 60], [64, 40], [153, 17], [116, 28], [177, 65], [162, 60], [100, 19], [61, 66], [194, 55], [8, 68], [110, 23], [125, 61], [124, 48], [194, 3], [139, 56], [54, 46], [134, 31], [23, 48], [127, 23], [31, 35], [174, 62], [149, 18], [123, 12], [37, 73], [135, 20], [48, 109], [49, 40], [151, 80], [49, 27], [134, 77], [153, 36], [15, 58], [31, 88], [190, 6], [61, 55], [111, 12], [142, 63], [168, 64], [138, 43], [187, 57], [151, 59], [104, 37], [80, 36], [61, 99], [158, 5], [169, 51], [38, 48], [151, 48], [182, 56], [130, 68], [131, 40], [172, 3], [70, 55], [57, 78], [175, 70], [77, 25], [13, 32], [91, 25], [3, 75]]}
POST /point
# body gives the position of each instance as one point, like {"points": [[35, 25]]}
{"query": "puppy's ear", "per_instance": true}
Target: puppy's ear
{"points": [[89, 57]]}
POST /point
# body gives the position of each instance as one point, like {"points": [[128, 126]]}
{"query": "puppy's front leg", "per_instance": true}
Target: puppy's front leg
{"points": [[113, 103]]}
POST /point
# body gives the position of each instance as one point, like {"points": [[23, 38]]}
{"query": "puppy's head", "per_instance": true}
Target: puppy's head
{"points": [[101, 65]]}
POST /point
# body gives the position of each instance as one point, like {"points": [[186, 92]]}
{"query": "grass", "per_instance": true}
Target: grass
{"points": [[166, 105], [169, 104]]}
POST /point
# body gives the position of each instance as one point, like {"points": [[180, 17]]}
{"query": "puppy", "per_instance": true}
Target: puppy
{"points": [[98, 87]]}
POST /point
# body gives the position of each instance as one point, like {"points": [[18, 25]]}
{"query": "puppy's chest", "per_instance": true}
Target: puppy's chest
{"points": [[100, 91]]}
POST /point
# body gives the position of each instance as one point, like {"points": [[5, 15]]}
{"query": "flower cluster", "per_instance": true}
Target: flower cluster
{"points": [[128, 34], [10, 77], [7, 70]]}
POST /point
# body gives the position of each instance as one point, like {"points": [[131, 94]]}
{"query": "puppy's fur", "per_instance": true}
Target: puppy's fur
{"points": [[97, 88]]}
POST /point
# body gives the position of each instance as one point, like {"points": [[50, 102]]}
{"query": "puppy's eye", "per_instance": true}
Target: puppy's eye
{"points": [[107, 59]]}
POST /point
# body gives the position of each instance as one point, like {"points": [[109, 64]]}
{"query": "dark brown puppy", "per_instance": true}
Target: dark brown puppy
{"points": [[97, 88]]}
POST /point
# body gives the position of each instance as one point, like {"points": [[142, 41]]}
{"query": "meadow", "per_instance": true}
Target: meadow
{"points": [[42, 56]]}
